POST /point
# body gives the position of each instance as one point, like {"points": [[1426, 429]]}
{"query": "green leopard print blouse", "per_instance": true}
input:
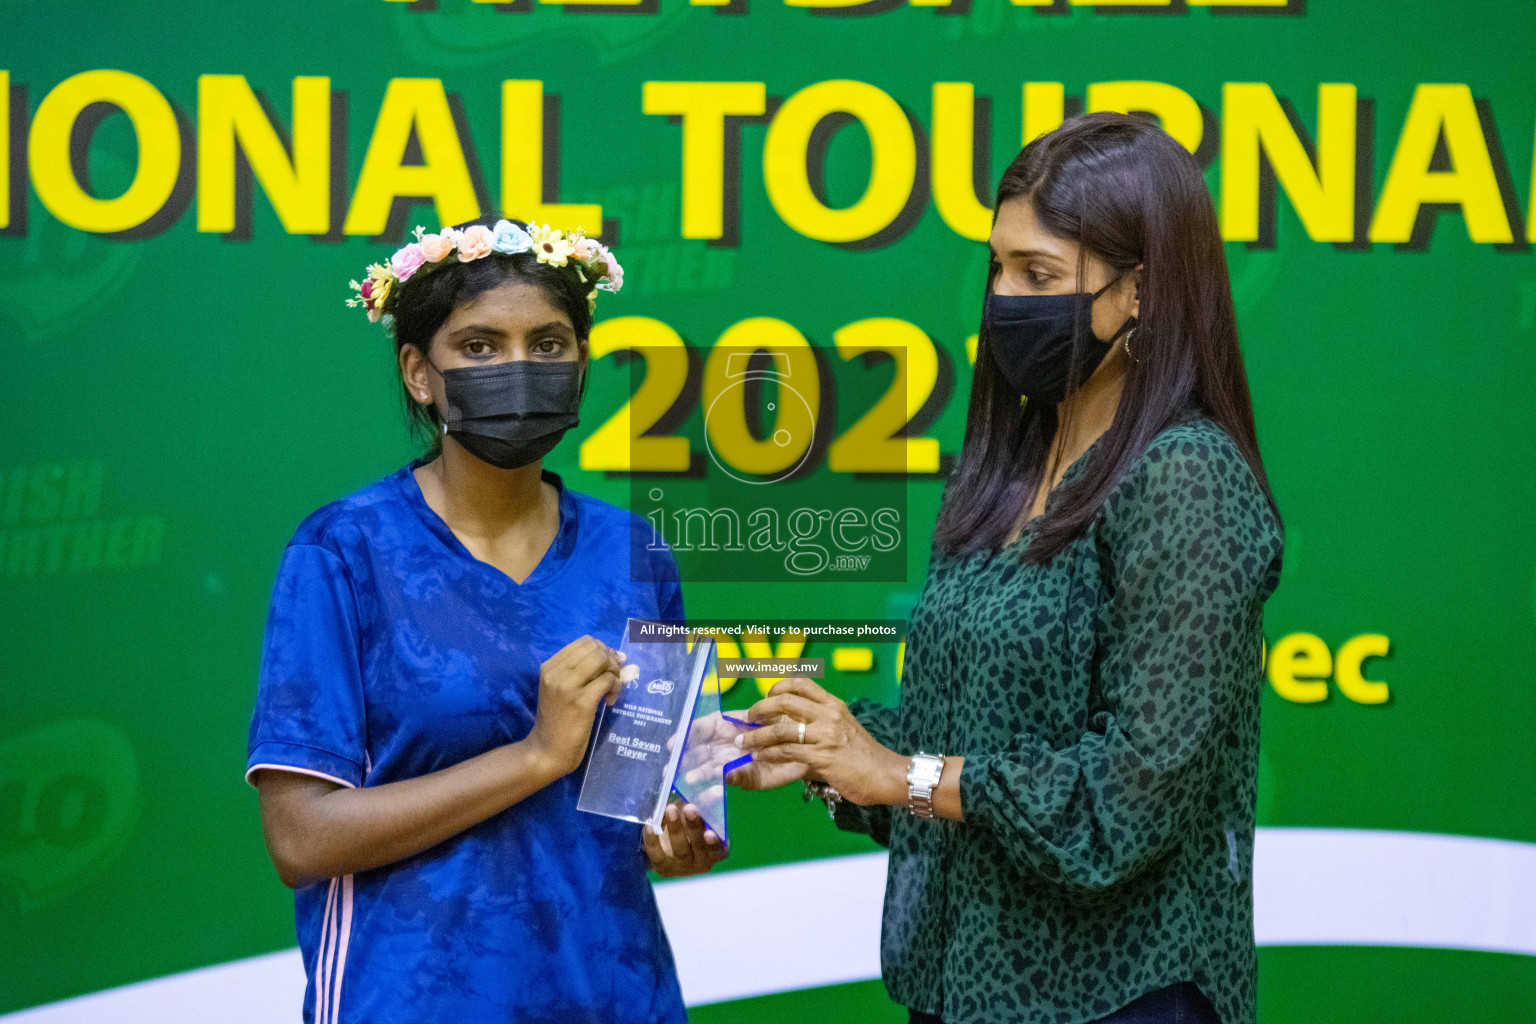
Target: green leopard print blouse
{"points": [[1107, 706]]}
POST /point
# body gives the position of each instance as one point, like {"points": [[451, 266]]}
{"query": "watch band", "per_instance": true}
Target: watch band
{"points": [[922, 776]]}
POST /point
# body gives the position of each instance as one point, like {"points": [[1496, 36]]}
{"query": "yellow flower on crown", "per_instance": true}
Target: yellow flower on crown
{"points": [[550, 245], [383, 280], [373, 290]]}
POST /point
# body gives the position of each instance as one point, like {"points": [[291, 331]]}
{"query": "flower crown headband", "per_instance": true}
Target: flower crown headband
{"points": [[591, 260]]}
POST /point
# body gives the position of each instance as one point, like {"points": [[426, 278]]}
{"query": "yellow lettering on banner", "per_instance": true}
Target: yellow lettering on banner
{"points": [[791, 645], [853, 659], [444, 176], [299, 188], [871, 444], [913, 3], [1045, 107], [952, 155], [48, 158], [522, 163], [1176, 109], [621, 444], [725, 647], [704, 107], [5, 149], [1347, 668], [725, 419], [1253, 121], [892, 174], [946, 3], [1441, 111], [1299, 667]]}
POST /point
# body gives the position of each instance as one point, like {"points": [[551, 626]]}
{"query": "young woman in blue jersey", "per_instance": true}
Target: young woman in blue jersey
{"points": [[435, 653]]}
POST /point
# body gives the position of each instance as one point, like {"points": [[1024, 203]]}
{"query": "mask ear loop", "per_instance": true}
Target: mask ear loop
{"points": [[1130, 322], [428, 360]]}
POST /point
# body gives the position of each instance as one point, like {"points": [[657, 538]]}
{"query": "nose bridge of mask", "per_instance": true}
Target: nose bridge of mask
{"points": [[516, 390], [1025, 308], [1076, 303]]}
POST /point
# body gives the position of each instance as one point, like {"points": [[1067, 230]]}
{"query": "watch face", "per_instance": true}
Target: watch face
{"points": [[925, 770]]}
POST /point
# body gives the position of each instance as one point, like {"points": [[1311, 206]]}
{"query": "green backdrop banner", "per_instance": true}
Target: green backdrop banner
{"points": [[189, 187]]}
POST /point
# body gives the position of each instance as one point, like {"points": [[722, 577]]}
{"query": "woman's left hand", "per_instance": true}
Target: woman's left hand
{"points": [[807, 725], [684, 846]]}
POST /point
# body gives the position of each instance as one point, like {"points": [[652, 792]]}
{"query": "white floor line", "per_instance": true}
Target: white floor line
{"points": [[1313, 887]]}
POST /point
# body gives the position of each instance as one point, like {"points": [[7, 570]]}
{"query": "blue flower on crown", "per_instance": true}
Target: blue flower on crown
{"points": [[509, 238]]}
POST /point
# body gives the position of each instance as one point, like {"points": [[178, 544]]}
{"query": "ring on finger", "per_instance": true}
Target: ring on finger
{"points": [[801, 737]]}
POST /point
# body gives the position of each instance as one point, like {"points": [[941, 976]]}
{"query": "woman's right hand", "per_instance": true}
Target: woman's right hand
{"points": [[766, 775], [571, 683]]}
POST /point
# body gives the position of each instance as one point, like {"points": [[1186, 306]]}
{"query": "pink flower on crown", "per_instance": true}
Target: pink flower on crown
{"points": [[435, 247], [407, 260], [614, 279], [476, 241], [583, 248]]}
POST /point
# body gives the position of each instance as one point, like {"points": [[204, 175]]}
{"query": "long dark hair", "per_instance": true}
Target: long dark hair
{"points": [[1129, 194], [427, 300]]}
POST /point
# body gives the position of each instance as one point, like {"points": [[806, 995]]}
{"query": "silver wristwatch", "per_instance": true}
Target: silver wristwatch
{"points": [[922, 776]]}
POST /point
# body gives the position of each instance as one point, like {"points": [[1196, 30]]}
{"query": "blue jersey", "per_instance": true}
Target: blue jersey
{"points": [[392, 652]]}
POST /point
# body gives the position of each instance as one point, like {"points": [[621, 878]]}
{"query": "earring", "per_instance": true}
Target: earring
{"points": [[1128, 344]]}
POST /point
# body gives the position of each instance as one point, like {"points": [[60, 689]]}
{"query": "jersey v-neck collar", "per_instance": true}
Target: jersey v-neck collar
{"points": [[556, 557]]}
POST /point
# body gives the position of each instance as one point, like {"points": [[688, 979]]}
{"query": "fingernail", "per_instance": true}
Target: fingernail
{"points": [[711, 838], [623, 656], [739, 739], [692, 812]]}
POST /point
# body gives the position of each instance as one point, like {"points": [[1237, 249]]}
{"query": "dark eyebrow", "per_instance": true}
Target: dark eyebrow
{"points": [[553, 324], [1032, 253], [479, 329]]}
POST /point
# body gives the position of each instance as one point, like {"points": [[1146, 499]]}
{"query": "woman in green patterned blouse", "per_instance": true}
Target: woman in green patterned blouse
{"points": [[1067, 786]]}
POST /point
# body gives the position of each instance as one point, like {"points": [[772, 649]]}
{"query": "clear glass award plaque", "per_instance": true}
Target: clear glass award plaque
{"points": [[665, 733]]}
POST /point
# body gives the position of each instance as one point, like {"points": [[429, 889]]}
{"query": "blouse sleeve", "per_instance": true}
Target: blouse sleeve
{"points": [[1190, 551], [309, 715], [874, 821]]}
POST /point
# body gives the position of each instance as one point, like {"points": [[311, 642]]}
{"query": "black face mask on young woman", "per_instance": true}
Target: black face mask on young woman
{"points": [[1032, 338], [511, 414]]}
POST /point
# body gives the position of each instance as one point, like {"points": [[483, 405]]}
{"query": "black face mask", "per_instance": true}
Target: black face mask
{"points": [[511, 414], [1032, 338]]}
